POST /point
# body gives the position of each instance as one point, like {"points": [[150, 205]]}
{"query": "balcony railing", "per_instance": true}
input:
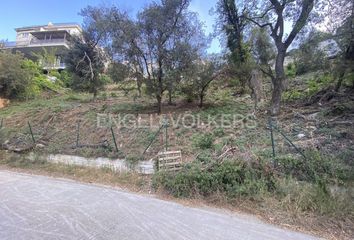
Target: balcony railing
{"points": [[47, 41], [54, 66]]}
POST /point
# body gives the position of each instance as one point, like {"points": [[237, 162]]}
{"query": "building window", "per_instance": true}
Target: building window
{"points": [[24, 35]]}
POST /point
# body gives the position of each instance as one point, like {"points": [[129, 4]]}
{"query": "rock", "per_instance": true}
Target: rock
{"points": [[301, 135], [40, 145]]}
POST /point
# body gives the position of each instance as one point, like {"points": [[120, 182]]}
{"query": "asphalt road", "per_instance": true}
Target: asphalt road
{"points": [[39, 207]]}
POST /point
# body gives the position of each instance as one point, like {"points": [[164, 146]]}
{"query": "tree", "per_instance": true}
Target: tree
{"points": [[15, 79], [157, 45], [262, 50], [343, 15], [86, 59], [273, 16], [201, 74], [46, 57], [233, 23], [119, 72], [309, 56]]}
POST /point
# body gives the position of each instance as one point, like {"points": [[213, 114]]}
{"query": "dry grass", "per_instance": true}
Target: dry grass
{"points": [[58, 119], [265, 207]]}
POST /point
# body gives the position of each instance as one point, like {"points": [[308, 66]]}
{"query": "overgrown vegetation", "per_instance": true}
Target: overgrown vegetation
{"points": [[21, 78], [314, 185], [161, 54]]}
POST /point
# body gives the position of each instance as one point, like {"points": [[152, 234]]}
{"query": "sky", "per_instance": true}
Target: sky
{"points": [[21, 13]]}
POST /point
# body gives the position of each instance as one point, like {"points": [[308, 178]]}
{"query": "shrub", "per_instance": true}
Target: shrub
{"points": [[232, 178], [316, 167], [293, 94], [132, 160], [15, 77], [219, 132], [290, 70], [204, 157], [203, 141], [307, 197], [319, 82]]}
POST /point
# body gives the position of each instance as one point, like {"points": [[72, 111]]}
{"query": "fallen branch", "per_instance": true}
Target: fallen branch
{"points": [[24, 149], [104, 144], [226, 152]]}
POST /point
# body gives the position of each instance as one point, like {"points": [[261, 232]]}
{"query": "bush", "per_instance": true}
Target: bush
{"points": [[232, 178], [293, 94], [204, 157], [203, 141], [319, 82], [15, 79], [317, 167], [306, 197], [290, 70]]}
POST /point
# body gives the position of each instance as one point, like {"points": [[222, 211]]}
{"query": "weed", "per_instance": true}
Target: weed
{"points": [[132, 160], [203, 141], [233, 178], [316, 167]]}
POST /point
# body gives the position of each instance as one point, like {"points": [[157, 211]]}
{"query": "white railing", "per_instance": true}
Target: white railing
{"points": [[47, 41], [54, 66]]}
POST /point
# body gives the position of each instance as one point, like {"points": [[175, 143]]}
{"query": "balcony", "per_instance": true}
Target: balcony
{"points": [[57, 65], [47, 42]]}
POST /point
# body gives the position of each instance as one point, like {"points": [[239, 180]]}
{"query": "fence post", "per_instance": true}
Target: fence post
{"points": [[166, 135], [114, 138], [152, 140], [272, 139], [291, 143], [78, 134], [30, 128]]}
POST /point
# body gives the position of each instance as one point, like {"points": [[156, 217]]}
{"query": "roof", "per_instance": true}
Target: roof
{"points": [[56, 25]]}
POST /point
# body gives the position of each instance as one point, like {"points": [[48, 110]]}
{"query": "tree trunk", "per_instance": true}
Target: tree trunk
{"points": [[169, 97], [138, 84], [160, 88], [201, 100], [159, 104], [278, 83], [340, 80], [94, 95]]}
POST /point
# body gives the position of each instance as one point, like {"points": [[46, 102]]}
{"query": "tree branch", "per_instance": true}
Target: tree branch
{"points": [[301, 21]]}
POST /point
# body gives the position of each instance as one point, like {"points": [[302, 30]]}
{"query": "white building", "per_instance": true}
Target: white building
{"points": [[33, 40]]}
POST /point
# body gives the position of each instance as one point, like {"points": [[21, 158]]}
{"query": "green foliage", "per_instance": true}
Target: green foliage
{"points": [[203, 141], [132, 160], [85, 62], [263, 49], [105, 79], [233, 178], [219, 132], [290, 70], [319, 82], [293, 94], [306, 197], [313, 86], [231, 23], [76, 97], [118, 72], [317, 167], [309, 57], [205, 156], [22, 78], [66, 78], [14, 77]]}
